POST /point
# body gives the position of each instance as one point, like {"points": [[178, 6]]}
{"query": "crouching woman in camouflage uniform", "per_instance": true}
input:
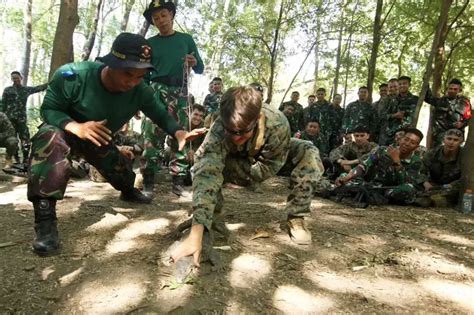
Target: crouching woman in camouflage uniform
{"points": [[247, 144]]}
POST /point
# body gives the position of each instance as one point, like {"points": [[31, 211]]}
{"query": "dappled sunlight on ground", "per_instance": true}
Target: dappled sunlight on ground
{"points": [[127, 238], [70, 277], [169, 300], [459, 293], [248, 269], [107, 222], [398, 293], [17, 197], [100, 190], [449, 237], [294, 300], [110, 294]]}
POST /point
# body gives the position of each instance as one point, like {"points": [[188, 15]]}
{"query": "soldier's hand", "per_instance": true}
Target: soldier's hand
{"points": [[127, 152], [340, 181], [183, 136], [458, 124], [399, 115], [428, 186], [192, 245], [394, 154], [190, 60], [346, 167], [93, 131]]}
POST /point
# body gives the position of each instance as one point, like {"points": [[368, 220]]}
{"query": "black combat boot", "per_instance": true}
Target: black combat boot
{"points": [[46, 242], [134, 195], [178, 186], [148, 184]]}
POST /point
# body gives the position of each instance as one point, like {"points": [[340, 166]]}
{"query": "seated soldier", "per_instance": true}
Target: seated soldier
{"points": [[181, 161], [443, 165], [421, 150], [85, 104], [313, 133], [8, 139], [350, 154], [397, 171], [249, 143]]}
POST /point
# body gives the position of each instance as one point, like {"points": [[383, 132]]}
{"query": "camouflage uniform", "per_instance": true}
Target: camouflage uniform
{"points": [[218, 160], [386, 104], [350, 151], [324, 113], [359, 114], [130, 139], [447, 113], [212, 102], [14, 103], [406, 104], [378, 107], [8, 138], [444, 174], [318, 141], [297, 120], [405, 183], [338, 136]]}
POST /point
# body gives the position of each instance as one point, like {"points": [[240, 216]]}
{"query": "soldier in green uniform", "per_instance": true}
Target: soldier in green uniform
{"points": [[181, 161], [323, 112], [312, 133], [377, 106], [443, 165], [290, 113], [298, 119], [8, 139], [359, 113], [249, 142], [213, 100], [396, 168], [338, 136], [350, 154], [85, 104], [391, 101], [14, 106], [174, 55], [451, 111]]}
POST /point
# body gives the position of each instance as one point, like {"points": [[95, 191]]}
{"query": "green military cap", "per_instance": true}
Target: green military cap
{"points": [[129, 51]]}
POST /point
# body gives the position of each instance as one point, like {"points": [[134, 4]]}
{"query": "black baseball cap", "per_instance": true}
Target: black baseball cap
{"points": [[158, 5], [129, 51]]}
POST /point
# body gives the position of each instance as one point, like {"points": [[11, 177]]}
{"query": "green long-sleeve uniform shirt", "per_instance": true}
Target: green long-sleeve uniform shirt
{"points": [[168, 55], [359, 114], [217, 151], [76, 93]]}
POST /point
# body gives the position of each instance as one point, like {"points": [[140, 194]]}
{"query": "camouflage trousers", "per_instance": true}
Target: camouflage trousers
{"points": [[50, 168], [176, 104], [304, 167], [179, 164], [21, 129], [11, 144]]}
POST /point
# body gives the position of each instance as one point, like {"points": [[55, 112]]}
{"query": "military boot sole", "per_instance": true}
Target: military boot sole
{"points": [[48, 253]]}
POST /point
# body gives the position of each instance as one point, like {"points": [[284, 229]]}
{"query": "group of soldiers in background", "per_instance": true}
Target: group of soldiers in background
{"points": [[381, 144]]}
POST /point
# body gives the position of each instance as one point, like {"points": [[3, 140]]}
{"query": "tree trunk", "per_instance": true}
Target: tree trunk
{"points": [[316, 56], [25, 67], [126, 15], [375, 47], [144, 28], [299, 69], [274, 54], [62, 45], [400, 59], [339, 53], [86, 51], [443, 17], [468, 162]]}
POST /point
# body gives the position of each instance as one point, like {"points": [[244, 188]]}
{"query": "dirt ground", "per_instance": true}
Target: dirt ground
{"points": [[377, 260]]}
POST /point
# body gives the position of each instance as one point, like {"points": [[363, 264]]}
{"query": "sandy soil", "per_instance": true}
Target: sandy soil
{"points": [[377, 260]]}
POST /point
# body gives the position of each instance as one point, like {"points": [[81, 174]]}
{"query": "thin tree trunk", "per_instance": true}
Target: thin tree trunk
{"points": [[443, 17], [144, 28], [338, 54], [89, 45], [62, 45], [274, 55], [348, 69], [400, 58], [25, 67], [375, 47], [316, 56], [299, 69], [126, 15], [468, 162]]}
